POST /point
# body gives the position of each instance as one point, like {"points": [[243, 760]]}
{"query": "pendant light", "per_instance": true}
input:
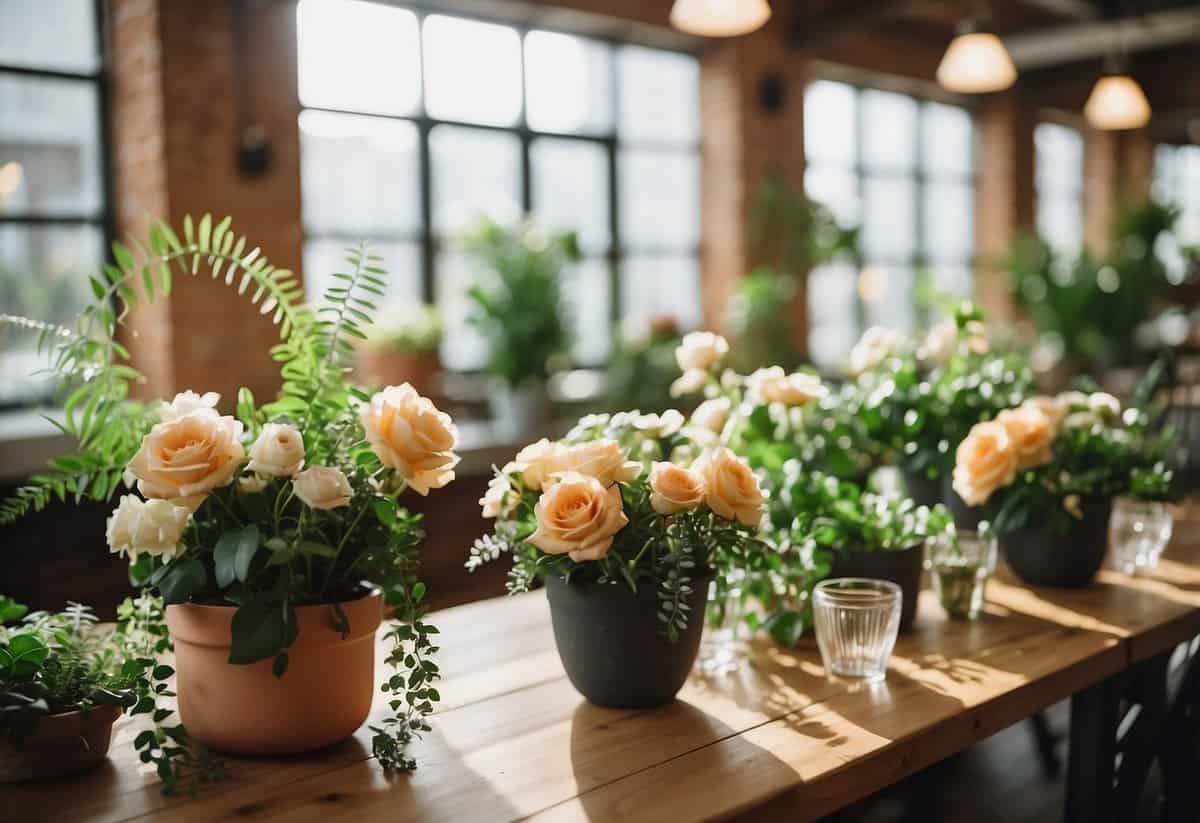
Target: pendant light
{"points": [[976, 61], [1117, 101], [719, 18]]}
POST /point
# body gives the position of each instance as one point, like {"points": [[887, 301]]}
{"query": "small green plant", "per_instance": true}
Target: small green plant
{"points": [[406, 330], [518, 302]]}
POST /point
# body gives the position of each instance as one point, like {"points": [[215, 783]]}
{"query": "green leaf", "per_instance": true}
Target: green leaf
{"points": [[11, 610], [311, 547], [182, 579], [233, 554], [261, 629]]}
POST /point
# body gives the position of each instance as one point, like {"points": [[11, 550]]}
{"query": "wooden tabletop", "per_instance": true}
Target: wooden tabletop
{"points": [[777, 738]]}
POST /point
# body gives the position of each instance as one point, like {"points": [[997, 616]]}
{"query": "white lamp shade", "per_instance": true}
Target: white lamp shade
{"points": [[975, 63], [719, 18], [1117, 102]]}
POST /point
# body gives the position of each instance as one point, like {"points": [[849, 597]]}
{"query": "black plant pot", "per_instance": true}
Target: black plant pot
{"points": [[901, 567], [965, 517], [609, 642], [922, 490], [1042, 557]]}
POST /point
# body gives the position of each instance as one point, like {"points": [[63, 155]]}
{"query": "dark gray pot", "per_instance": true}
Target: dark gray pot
{"points": [[901, 567], [922, 490], [1042, 557], [965, 517], [609, 642]]}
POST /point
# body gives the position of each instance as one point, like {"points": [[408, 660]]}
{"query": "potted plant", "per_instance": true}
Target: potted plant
{"points": [[64, 681], [627, 549], [519, 310], [1045, 474], [402, 347], [275, 536]]}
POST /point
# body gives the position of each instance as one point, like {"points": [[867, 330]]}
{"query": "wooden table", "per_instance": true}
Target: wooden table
{"points": [[776, 740]]}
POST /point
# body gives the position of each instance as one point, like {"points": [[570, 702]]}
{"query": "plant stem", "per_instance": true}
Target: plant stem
{"points": [[341, 545]]}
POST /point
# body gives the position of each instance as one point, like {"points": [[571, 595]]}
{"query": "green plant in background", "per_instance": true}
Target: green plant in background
{"points": [[641, 370], [518, 302], [406, 329], [1088, 310]]}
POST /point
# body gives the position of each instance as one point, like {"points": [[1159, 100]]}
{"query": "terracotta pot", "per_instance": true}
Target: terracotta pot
{"points": [[902, 567], [60, 744], [322, 698], [391, 368]]}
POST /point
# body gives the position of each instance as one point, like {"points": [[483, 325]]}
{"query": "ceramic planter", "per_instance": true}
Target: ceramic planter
{"points": [[902, 567], [1043, 557], [922, 490], [60, 744], [322, 698], [392, 368], [519, 411], [610, 645]]}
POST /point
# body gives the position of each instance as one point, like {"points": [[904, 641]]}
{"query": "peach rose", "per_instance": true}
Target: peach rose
{"points": [[773, 385], [579, 517], [410, 435], [730, 488], [985, 461], [1031, 432], [187, 402], [1052, 407], [601, 459], [153, 527], [322, 487], [538, 461], [701, 350], [875, 346], [278, 451], [713, 414], [188, 455], [690, 382], [674, 489]]}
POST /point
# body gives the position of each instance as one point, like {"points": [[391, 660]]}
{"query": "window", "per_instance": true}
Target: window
{"points": [[415, 124], [53, 207], [903, 170], [1177, 181], [1058, 161]]}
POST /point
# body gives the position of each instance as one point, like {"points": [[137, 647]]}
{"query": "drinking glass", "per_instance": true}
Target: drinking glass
{"points": [[961, 564], [724, 644], [1139, 531], [857, 619]]}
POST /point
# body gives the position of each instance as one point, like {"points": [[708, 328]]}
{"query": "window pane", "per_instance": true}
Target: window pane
{"points": [[49, 34], [1166, 174], [588, 294], [889, 225], [359, 56], [43, 274], [475, 173], [1060, 222], [832, 325], [473, 71], [463, 348], [660, 199], [955, 280], [359, 174], [947, 140], [889, 130], [324, 257], [887, 295], [49, 147], [829, 123], [1058, 154], [949, 221], [568, 83], [659, 286], [660, 95], [836, 189], [570, 189]]}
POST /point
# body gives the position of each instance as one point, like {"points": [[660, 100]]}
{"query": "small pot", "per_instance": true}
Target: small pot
{"points": [[322, 698], [902, 567], [519, 411], [60, 744], [1043, 557], [609, 642], [923, 490], [386, 367]]}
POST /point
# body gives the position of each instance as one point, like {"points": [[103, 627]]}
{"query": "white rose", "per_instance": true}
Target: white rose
{"points": [[660, 425], [495, 503], [601, 459], [730, 488], [774, 386], [579, 517], [674, 489], [410, 435], [701, 350], [189, 455], [875, 346], [1105, 406], [713, 414], [690, 382], [322, 487], [278, 451], [985, 461], [152, 527], [188, 402]]}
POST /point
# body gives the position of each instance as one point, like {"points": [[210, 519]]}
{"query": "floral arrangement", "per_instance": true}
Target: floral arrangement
{"points": [[921, 398], [291, 503], [1044, 459], [581, 509]]}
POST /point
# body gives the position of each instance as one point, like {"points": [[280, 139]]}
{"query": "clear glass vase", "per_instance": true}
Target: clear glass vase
{"points": [[1138, 532], [960, 565], [726, 639]]}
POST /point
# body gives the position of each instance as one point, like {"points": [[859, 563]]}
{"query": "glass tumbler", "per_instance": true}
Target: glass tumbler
{"points": [[961, 564], [1139, 531], [857, 620], [724, 644]]}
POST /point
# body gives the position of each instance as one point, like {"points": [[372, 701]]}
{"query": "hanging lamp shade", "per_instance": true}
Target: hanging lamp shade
{"points": [[719, 18], [976, 62], [1117, 102]]}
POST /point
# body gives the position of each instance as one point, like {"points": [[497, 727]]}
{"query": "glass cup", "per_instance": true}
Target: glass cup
{"points": [[857, 620], [960, 565], [1139, 531], [724, 644]]}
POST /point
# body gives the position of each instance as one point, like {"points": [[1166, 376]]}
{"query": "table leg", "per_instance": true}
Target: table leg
{"points": [[1181, 748], [1095, 713]]}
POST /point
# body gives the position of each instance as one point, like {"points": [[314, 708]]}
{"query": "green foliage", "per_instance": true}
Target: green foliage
{"points": [[407, 330], [518, 304], [641, 371]]}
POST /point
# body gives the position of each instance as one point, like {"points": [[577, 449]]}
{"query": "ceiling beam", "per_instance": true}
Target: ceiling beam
{"points": [[1077, 9], [1083, 41]]}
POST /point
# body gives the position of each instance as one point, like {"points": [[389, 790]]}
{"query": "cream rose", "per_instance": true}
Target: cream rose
{"points": [[153, 527], [187, 402], [773, 385], [579, 517], [1104, 405], [601, 459], [278, 451], [701, 350], [674, 489], [875, 346], [251, 484], [1052, 407], [977, 340], [660, 425], [939, 343], [730, 488], [1031, 432], [188, 455], [690, 382], [713, 414], [985, 461], [410, 435], [538, 461], [495, 501], [322, 487]]}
